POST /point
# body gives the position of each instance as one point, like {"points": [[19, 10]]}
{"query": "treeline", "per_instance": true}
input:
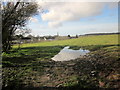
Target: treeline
{"points": [[102, 33]]}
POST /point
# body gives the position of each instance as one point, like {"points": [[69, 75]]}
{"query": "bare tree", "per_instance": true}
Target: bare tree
{"points": [[14, 16]]}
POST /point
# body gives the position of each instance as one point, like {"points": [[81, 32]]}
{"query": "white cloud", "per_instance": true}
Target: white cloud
{"points": [[59, 12]]}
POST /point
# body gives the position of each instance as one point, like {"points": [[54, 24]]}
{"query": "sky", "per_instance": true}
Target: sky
{"points": [[74, 18]]}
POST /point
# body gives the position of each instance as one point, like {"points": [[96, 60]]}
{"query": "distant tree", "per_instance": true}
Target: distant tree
{"points": [[69, 36], [76, 36], [14, 16]]}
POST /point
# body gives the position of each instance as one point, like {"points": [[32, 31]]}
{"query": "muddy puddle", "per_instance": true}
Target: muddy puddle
{"points": [[67, 54]]}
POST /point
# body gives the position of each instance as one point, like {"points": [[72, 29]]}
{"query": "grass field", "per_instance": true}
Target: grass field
{"points": [[28, 65], [81, 41]]}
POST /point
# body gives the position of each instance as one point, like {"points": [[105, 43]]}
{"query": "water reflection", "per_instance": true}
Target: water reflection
{"points": [[67, 54]]}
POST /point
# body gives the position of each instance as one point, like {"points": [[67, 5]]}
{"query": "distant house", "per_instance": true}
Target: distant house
{"points": [[45, 38], [41, 39]]}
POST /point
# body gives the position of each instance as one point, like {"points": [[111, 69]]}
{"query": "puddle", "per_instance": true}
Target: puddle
{"points": [[67, 54]]}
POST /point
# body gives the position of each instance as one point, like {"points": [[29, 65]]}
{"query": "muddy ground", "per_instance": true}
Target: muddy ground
{"points": [[98, 69]]}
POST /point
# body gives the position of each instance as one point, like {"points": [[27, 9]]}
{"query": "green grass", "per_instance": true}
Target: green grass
{"points": [[20, 64], [30, 55], [81, 41]]}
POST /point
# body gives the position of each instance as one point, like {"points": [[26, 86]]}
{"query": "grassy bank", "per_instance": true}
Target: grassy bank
{"points": [[31, 66]]}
